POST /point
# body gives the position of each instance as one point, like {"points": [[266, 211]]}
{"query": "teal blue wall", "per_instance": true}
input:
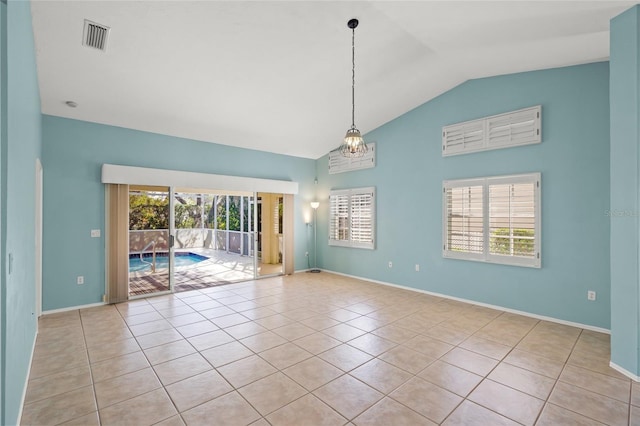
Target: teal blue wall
{"points": [[23, 146], [73, 153], [573, 159], [625, 138]]}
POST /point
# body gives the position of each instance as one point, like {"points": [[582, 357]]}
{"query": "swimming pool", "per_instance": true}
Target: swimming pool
{"points": [[162, 261]]}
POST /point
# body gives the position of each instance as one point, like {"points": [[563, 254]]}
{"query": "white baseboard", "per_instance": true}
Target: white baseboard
{"points": [[486, 305], [73, 308], [624, 371], [26, 380]]}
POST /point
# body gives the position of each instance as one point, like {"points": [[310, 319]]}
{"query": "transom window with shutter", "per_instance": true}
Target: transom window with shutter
{"points": [[493, 219], [515, 128], [352, 218]]}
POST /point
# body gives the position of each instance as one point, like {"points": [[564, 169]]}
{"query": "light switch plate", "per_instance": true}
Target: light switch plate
{"points": [[95, 233]]}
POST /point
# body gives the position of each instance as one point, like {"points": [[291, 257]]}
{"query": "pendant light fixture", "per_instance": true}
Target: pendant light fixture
{"points": [[353, 144]]}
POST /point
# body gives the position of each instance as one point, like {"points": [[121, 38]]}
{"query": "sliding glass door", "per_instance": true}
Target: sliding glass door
{"points": [[181, 239], [151, 255], [214, 238]]}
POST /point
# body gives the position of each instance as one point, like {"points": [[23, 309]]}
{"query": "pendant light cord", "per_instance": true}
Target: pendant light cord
{"points": [[353, 145], [353, 78]]}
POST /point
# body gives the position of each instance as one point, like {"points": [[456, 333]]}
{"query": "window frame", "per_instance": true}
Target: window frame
{"points": [[486, 255], [350, 193]]}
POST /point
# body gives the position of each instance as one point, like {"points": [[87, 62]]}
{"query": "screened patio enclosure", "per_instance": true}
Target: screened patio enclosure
{"points": [[214, 221]]}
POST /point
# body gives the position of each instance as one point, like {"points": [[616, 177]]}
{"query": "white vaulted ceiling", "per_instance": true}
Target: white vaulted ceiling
{"points": [[276, 76]]}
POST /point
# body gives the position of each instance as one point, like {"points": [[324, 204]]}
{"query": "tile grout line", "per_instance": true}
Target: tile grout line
{"points": [[233, 388], [566, 363], [93, 383], [555, 384], [196, 351], [486, 377], [557, 379], [465, 398], [149, 363]]}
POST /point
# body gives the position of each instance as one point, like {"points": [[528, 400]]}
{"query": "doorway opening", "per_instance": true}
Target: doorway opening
{"points": [[269, 220]]}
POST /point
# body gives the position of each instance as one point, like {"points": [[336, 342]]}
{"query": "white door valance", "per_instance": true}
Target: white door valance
{"points": [[112, 173]]}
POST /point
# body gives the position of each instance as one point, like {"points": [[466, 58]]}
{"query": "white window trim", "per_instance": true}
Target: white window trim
{"points": [[349, 193], [486, 256]]}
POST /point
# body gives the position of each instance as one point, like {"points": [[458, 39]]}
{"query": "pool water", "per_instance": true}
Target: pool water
{"points": [[162, 261]]}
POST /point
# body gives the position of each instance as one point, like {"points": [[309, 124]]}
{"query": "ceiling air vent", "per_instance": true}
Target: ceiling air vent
{"points": [[95, 35]]}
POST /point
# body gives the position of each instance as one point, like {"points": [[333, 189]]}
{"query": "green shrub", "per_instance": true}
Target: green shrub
{"points": [[499, 243]]}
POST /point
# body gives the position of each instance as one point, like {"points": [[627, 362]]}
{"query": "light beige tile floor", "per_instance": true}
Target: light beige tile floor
{"points": [[319, 349]]}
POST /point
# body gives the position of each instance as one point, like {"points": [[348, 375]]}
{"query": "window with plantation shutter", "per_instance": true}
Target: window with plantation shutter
{"points": [[521, 127], [493, 219], [352, 218]]}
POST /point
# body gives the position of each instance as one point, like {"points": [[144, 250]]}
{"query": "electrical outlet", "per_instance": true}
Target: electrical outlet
{"points": [[390, 264], [591, 295], [80, 280], [417, 268], [95, 233]]}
